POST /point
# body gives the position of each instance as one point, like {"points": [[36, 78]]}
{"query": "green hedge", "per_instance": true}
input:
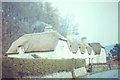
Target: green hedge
{"points": [[17, 67]]}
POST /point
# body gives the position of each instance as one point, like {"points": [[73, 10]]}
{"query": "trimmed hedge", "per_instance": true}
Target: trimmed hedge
{"points": [[20, 67]]}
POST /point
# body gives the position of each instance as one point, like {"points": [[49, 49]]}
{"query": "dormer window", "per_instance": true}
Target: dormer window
{"points": [[21, 49], [82, 51]]}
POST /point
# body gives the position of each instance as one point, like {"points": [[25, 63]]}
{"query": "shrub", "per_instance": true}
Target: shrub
{"points": [[20, 67]]}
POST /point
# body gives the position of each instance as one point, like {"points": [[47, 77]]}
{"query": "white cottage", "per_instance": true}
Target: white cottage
{"points": [[43, 44], [92, 52], [52, 45], [99, 53]]}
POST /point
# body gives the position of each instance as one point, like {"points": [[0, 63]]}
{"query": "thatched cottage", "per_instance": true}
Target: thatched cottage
{"points": [[51, 45]]}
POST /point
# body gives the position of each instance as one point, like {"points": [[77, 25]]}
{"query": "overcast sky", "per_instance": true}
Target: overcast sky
{"points": [[98, 21]]}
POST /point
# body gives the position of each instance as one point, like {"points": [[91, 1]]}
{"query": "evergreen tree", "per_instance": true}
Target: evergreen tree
{"points": [[116, 51]]}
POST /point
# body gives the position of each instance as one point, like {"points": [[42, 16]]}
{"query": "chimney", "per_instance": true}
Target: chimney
{"points": [[69, 36], [48, 28], [84, 40]]}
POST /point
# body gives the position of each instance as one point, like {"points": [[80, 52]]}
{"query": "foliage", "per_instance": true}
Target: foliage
{"points": [[20, 18], [116, 51], [20, 67]]}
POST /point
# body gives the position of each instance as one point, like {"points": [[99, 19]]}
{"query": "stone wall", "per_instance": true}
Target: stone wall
{"points": [[58, 75], [100, 68]]}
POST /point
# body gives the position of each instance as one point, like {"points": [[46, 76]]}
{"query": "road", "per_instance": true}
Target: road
{"points": [[106, 74]]}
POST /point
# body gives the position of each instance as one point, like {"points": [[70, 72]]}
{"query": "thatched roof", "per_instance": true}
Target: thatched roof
{"points": [[45, 41], [83, 46], [72, 46], [96, 47]]}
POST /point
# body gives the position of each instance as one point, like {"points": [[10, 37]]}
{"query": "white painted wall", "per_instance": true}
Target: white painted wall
{"points": [[103, 56], [62, 52], [96, 59], [21, 56], [86, 56], [100, 58]]}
